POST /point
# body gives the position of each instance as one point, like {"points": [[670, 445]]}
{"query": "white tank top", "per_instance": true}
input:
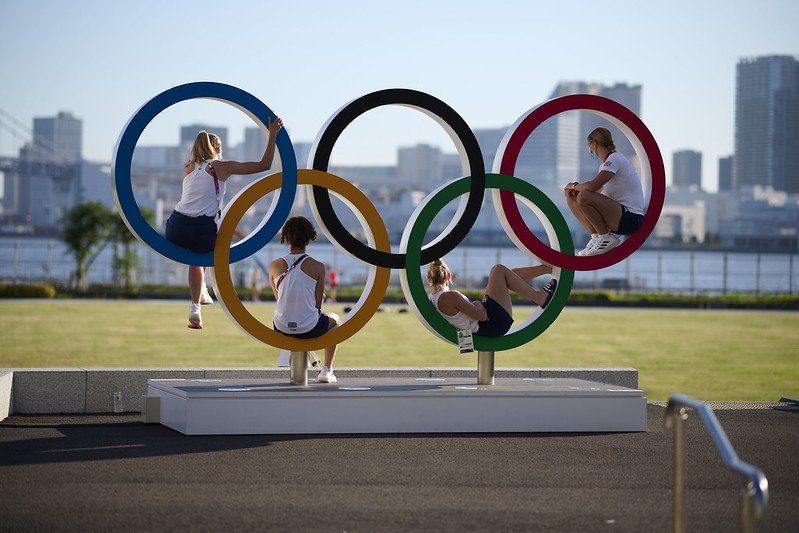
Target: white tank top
{"points": [[199, 196], [295, 310], [461, 320]]}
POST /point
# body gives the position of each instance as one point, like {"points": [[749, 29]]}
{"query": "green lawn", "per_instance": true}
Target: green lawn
{"points": [[712, 355]]}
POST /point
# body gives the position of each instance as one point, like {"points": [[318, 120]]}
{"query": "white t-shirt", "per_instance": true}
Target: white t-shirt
{"points": [[625, 185], [295, 310], [199, 196], [460, 320]]}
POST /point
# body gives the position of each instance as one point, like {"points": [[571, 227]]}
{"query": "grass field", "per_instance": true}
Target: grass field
{"points": [[712, 355]]}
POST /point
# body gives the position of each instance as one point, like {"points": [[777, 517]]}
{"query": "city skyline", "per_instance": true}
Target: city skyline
{"points": [[305, 61]]}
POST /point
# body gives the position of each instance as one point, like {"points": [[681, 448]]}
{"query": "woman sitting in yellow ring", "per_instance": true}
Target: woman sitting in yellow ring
{"points": [[298, 282]]}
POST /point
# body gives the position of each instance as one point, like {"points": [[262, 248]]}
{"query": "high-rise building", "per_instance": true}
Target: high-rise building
{"points": [[189, 133], [557, 152], [57, 138], [725, 173], [489, 140], [254, 144], [419, 166], [767, 123], [686, 169]]}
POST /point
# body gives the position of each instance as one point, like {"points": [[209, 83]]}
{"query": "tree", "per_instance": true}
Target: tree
{"points": [[85, 230], [126, 260]]}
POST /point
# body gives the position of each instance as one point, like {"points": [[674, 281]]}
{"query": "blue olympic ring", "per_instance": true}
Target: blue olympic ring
{"points": [[123, 157]]}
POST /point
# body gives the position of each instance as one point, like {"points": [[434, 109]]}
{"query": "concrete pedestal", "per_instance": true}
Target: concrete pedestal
{"points": [[406, 405]]}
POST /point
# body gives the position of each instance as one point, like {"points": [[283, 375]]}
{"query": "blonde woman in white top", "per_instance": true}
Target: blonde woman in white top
{"points": [[298, 282], [612, 202], [493, 315], [192, 224]]}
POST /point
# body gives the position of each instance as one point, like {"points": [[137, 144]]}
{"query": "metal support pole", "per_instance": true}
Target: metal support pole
{"points": [[757, 277], [747, 513], [298, 361], [725, 274], [679, 463], [485, 368]]}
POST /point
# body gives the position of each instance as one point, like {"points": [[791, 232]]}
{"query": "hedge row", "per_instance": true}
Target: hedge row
{"points": [[576, 298], [36, 290]]}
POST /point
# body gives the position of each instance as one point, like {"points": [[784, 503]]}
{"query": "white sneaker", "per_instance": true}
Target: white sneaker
{"points": [[326, 376], [604, 243], [589, 246], [195, 318]]}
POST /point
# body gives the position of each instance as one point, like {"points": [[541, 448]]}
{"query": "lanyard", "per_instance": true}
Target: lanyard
{"points": [[280, 278]]}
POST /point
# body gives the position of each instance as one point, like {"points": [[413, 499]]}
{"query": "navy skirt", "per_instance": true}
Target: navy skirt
{"points": [[198, 234]]}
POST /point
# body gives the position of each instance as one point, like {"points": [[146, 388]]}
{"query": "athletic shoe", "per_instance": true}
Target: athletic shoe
{"points": [[326, 376], [195, 318], [589, 246], [549, 288], [205, 298], [604, 243]]}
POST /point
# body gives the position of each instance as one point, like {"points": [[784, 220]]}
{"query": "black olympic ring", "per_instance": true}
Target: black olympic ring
{"points": [[460, 133]]}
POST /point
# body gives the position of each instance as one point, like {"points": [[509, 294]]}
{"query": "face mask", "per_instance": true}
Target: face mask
{"points": [[593, 154]]}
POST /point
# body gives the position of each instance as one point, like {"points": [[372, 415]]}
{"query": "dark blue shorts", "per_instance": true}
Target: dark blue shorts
{"points": [[629, 222], [198, 234], [498, 322], [321, 327]]}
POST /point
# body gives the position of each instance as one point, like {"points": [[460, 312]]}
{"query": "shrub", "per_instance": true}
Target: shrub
{"points": [[34, 290]]}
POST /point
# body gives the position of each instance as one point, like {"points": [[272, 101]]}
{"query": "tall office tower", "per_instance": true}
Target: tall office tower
{"points": [[57, 138], [725, 173], [189, 133], [489, 140], [686, 168], [254, 145], [630, 97], [419, 166], [557, 151], [767, 123]]}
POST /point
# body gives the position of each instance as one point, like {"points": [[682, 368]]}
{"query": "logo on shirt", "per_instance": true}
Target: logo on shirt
{"points": [[292, 326]]}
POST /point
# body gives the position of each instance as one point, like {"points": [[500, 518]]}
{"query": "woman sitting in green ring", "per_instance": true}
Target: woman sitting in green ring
{"points": [[493, 316]]}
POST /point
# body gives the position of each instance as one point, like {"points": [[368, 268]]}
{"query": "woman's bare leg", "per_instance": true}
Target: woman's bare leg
{"points": [[330, 351], [602, 213], [501, 280], [578, 214], [196, 280]]}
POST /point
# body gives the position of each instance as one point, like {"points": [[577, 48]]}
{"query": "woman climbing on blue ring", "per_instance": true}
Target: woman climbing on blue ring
{"points": [[192, 224]]}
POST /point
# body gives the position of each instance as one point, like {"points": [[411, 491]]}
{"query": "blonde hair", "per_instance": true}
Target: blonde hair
{"points": [[603, 138], [438, 274], [206, 146]]}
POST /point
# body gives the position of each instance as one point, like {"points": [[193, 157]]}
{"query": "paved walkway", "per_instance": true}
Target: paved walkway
{"points": [[113, 473]]}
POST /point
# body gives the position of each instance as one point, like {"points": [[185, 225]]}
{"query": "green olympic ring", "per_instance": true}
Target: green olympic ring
{"points": [[413, 237]]}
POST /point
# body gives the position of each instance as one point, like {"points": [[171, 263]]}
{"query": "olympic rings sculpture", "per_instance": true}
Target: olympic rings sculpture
{"points": [[506, 190]]}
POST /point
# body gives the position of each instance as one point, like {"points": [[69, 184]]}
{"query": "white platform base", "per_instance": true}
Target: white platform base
{"points": [[422, 405]]}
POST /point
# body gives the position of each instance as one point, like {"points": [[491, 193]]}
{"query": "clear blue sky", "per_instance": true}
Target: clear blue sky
{"points": [[491, 61]]}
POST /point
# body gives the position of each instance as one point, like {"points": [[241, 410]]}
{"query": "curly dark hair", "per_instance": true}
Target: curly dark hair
{"points": [[297, 232]]}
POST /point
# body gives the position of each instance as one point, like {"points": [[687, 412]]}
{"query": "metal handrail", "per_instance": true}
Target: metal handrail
{"points": [[755, 493]]}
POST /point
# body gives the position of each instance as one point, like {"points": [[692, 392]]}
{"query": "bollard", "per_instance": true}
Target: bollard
{"points": [[679, 468], [485, 368], [298, 362]]}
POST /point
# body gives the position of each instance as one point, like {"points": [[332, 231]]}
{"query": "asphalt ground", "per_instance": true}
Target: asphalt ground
{"points": [[114, 473]]}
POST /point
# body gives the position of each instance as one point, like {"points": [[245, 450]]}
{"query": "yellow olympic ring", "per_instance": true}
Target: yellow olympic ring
{"points": [[377, 281]]}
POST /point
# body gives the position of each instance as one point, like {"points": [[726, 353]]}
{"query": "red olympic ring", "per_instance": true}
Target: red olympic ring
{"points": [[641, 139]]}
